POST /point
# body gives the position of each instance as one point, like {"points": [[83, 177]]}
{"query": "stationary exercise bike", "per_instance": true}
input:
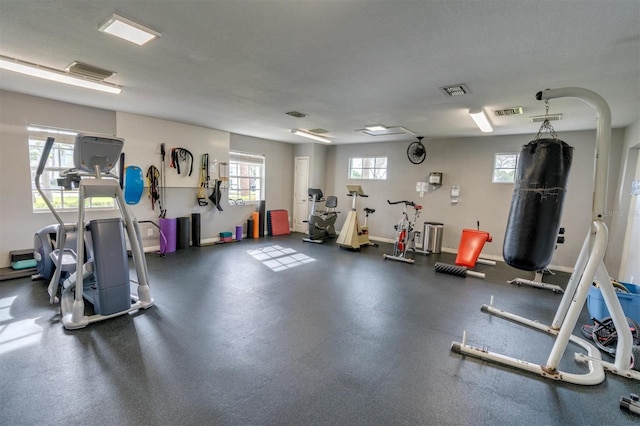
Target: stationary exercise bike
{"points": [[321, 223], [103, 280], [405, 233], [353, 235]]}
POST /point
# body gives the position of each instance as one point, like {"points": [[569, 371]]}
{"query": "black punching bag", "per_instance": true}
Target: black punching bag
{"points": [[536, 206]]}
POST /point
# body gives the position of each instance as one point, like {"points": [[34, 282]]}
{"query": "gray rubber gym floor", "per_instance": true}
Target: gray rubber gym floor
{"points": [[311, 335]]}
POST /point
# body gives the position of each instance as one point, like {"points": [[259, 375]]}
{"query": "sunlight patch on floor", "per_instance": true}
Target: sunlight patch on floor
{"points": [[279, 258], [15, 334]]}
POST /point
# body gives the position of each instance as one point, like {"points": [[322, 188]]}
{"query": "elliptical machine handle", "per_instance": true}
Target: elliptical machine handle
{"points": [[43, 161], [45, 155]]}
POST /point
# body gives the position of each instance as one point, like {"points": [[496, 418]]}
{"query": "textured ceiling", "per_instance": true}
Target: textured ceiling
{"points": [[239, 65]]}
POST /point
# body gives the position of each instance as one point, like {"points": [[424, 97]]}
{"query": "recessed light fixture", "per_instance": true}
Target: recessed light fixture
{"points": [[481, 120], [310, 135], [52, 74], [380, 130], [127, 29]]}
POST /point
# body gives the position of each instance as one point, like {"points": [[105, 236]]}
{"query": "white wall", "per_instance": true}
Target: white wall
{"points": [[627, 233], [279, 173], [466, 162], [143, 136], [18, 222]]}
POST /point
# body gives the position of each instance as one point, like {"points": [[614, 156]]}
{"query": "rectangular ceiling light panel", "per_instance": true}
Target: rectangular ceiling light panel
{"points": [[310, 135], [386, 131], [39, 71], [127, 29]]}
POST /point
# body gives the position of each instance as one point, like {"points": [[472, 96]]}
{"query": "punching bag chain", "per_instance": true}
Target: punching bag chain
{"points": [[546, 125]]}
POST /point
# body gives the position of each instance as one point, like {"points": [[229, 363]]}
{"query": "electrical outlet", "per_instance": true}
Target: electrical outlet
{"points": [[150, 232]]}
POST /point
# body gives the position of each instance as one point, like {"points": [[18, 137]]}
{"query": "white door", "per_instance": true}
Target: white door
{"points": [[300, 196]]}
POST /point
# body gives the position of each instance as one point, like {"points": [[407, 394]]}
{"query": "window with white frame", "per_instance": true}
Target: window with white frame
{"points": [[60, 159], [368, 168], [246, 177], [505, 166]]}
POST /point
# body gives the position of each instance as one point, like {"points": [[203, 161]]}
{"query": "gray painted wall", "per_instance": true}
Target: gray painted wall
{"points": [[143, 136], [626, 220], [17, 219], [467, 162], [317, 154], [279, 172]]}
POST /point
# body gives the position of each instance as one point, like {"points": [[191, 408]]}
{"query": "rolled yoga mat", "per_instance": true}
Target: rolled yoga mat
{"points": [[249, 228], [195, 229], [263, 212], [168, 229], [256, 224], [238, 232], [183, 233]]}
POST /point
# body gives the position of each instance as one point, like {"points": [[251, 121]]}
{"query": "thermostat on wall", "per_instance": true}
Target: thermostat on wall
{"points": [[435, 178]]}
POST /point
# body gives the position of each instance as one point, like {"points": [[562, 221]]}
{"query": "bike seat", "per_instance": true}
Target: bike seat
{"points": [[369, 211], [332, 202]]}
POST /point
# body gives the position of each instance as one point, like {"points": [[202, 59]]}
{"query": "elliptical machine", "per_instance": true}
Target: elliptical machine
{"points": [[104, 279], [321, 223]]}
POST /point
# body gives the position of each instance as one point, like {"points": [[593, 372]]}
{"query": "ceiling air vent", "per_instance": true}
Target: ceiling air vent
{"points": [[86, 70], [296, 114], [508, 111], [455, 90], [540, 118]]}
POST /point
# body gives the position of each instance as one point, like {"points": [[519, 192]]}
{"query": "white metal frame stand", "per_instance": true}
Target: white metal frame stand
{"points": [[537, 282], [589, 268]]}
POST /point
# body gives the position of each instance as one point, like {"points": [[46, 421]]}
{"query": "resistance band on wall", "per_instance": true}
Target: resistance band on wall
{"points": [[204, 181], [153, 175], [184, 155]]}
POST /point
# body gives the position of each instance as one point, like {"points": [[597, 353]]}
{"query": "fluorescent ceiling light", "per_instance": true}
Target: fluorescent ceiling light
{"points": [[51, 130], [376, 128], [127, 29], [47, 73], [481, 120], [310, 135]]}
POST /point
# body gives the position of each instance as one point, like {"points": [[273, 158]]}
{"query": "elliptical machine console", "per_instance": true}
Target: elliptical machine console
{"points": [[321, 224]]}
